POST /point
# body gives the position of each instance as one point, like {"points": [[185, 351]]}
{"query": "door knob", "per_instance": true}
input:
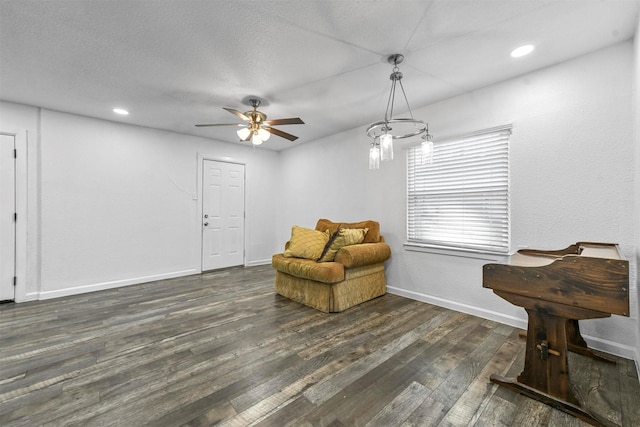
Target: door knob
{"points": [[206, 223], [206, 216]]}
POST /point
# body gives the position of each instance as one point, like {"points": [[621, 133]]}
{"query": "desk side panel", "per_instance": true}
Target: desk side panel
{"points": [[589, 283]]}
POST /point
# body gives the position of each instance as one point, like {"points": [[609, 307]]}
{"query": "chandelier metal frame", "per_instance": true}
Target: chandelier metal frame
{"points": [[382, 127]]}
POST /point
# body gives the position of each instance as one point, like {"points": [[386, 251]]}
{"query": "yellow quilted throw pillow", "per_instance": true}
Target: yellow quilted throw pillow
{"points": [[342, 237], [306, 243]]}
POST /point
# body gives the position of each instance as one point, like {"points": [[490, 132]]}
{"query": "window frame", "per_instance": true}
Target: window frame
{"points": [[465, 248]]}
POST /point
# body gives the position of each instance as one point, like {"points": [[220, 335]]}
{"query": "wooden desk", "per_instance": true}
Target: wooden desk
{"points": [[557, 288]]}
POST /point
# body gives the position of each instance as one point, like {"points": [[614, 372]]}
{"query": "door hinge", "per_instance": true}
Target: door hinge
{"points": [[15, 153], [15, 280], [15, 216]]}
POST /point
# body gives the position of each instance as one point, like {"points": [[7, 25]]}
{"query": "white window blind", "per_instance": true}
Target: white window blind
{"points": [[461, 200]]}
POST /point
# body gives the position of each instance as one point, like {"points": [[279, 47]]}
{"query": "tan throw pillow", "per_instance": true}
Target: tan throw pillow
{"points": [[373, 233], [372, 236], [341, 238], [306, 243]]}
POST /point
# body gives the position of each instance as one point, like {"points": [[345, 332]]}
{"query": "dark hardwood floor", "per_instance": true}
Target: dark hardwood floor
{"points": [[222, 349]]}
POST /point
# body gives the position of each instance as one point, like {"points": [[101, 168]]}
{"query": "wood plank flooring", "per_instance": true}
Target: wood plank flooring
{"points": [[222, 349]]}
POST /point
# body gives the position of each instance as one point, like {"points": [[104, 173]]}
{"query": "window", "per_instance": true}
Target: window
{"points": [[461, 200]]}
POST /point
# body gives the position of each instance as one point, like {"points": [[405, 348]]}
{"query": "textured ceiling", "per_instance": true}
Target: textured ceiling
{"points": [[173, 63]]}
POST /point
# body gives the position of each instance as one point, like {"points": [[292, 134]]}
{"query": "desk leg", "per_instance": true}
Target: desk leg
{"points": [[576, 343], [546, 369]]}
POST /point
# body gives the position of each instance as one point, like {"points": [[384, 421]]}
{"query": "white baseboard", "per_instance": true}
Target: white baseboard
{"points": [[611, 347], [258, 262], [464, 308], [43, 295], [30, 296], [599, 344]]}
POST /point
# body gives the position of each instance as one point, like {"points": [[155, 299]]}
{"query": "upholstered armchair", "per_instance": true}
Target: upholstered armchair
{"points": [[333, 267]]}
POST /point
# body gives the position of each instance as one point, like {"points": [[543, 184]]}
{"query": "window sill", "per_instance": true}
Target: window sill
{"points": [[462, 253]]}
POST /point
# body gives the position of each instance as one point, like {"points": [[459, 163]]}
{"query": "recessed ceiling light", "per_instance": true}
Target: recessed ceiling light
{"points": [[522, 51], [120, 111]]}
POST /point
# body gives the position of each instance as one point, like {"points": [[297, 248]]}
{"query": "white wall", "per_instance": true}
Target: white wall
{"points": [[571, 180], [118, 204]]}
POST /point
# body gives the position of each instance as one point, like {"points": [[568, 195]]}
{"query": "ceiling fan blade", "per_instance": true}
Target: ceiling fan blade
{"points": [[289, 121], [221, 124], [237, 113], [280, 133]]}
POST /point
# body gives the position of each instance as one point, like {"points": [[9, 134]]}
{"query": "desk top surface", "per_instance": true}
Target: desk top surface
{"points": [[542, 258]]}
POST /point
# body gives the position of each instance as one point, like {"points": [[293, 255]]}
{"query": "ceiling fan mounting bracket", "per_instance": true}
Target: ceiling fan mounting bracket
{"points": [[250, 100], [256, 116]]}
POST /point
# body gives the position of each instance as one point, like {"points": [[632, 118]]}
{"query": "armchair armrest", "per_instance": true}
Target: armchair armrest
{"points": [[363, 254]]}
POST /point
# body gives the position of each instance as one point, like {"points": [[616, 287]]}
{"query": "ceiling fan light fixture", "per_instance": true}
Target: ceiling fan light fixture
{"points": [[264, 134], [256, 140], [253, 130], [243, 133]]}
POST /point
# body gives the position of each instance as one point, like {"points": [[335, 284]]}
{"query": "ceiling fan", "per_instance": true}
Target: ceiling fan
{"points": [[258, 129]]}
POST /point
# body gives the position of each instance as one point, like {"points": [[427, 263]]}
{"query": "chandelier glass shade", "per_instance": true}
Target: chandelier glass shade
{"points": [[374, 156], [426, 151], [386, 147], [384, 132]]}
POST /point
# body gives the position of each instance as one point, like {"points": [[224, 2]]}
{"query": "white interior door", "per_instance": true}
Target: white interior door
{"points": [[222, 215], [7, 217]]}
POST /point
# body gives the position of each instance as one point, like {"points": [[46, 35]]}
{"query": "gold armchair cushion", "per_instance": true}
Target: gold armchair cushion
{"points": [[363, 254], [324, 272]]}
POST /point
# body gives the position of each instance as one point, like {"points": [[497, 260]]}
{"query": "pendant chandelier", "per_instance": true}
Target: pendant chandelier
{"points": [[385, 131]]}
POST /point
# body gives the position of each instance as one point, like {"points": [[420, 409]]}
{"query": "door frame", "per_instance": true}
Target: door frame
{"points": [[22, 224], [200, 188]]}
